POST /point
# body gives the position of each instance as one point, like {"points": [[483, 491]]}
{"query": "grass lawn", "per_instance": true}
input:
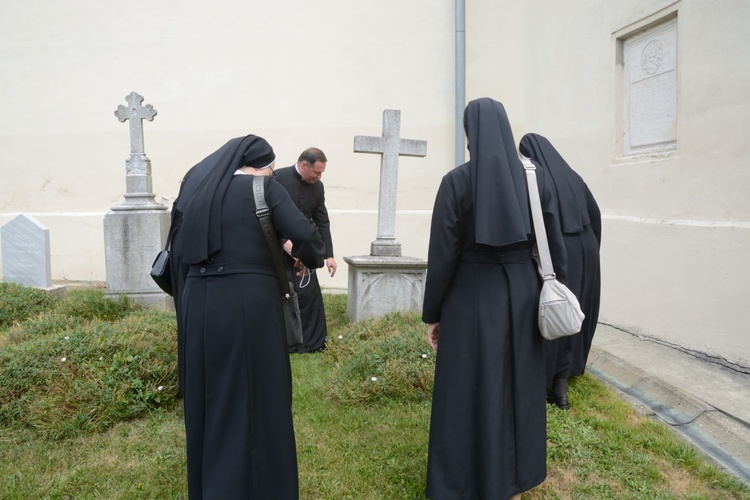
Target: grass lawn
{"points": [[356, 438]]}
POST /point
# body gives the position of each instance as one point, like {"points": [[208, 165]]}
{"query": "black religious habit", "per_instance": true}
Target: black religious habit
{"points": [[178, 269], [488, 423], [582, 231], [237, 379]]}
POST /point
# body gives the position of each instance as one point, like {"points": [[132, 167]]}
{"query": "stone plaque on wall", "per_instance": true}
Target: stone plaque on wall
{"points": [[650, 90]]}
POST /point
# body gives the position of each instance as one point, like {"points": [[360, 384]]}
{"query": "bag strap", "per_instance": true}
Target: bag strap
{"points": [[262, 213], [545, 261], [170, 233]]}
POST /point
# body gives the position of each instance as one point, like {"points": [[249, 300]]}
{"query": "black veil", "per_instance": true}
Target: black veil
{"points": [[501, 201]]}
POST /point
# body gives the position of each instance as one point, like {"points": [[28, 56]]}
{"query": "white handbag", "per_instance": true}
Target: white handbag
{"points": [[559, 311]]}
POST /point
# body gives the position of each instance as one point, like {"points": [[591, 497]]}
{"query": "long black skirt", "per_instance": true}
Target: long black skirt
{"points": [[237, 394], [488, 424]]}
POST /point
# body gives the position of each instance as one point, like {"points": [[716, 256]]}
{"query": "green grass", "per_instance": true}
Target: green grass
{"points": [[91, 428], [86, 365]]}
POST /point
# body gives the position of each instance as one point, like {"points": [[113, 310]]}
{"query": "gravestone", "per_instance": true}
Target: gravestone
{"points": [[135, 230], [384, 281], [26, 253]]}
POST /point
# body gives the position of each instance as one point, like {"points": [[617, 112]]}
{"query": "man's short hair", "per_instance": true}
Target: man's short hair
{"points": [[312, 155]]}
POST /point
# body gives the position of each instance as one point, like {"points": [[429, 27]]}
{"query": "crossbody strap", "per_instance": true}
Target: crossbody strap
{"points": [[170, 233], [545, 261], [262, 213]]}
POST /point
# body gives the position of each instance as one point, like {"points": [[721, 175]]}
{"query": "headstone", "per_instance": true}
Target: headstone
{"points": [[136, 229], [384, 281], [389, 146], [138, 188], [26, 253]]}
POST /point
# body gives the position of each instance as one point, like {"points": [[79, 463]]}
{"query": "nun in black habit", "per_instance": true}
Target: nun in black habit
{"points": [[178, 269], [582, 230], [237, 380], [488, 423]]}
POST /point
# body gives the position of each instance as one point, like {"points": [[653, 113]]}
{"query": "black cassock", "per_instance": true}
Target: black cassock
{"points": [[237, 386], [310, 199], [488, 424]]}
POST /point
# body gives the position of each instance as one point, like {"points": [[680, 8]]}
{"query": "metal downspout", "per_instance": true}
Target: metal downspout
{"points": [[460, 81]]}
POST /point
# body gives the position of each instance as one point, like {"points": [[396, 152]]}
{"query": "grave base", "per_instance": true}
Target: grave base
{"points": [[381, 285], [132, 239]]}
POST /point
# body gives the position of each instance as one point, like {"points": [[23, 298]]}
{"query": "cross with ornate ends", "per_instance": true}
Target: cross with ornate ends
{"points": [[138, 191], [390, 146], [136, 114]]}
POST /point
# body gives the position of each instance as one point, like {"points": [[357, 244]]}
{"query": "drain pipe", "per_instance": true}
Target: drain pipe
{"points": [[460, 80]]}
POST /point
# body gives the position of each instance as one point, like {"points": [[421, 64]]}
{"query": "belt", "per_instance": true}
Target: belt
{"points": [[218, 269], [520, 255]]}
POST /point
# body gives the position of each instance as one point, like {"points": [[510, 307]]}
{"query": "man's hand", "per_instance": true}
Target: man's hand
{"points": [[433, 329], [331, 265]]}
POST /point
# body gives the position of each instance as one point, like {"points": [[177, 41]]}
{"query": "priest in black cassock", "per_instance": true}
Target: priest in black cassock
{"points": [[488, 422], [236, 377], [302, 181], [581, 223]]}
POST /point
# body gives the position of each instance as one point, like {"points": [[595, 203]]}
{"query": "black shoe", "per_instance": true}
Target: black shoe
{"points": [[559, 401]]}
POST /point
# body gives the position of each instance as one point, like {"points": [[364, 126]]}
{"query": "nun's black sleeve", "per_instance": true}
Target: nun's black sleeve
{"points": [[444, 251], [291, 224]]}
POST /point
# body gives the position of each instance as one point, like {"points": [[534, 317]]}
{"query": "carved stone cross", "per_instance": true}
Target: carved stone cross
{"points": [[136, 114], [138, 188], [390, 146]]}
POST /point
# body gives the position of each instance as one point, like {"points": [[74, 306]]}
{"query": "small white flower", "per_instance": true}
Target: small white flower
{"points": [[424, 355], [67, 337], [101, 358], [374, 379], [63, 359], [341, 337], [160, 388]]}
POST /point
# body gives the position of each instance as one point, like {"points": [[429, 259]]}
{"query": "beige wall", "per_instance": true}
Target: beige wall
{"points": [[295, 72], [676, 228]]}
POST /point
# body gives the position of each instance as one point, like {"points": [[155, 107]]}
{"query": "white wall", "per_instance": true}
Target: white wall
{"points": [[298, 73], [676, 230]]}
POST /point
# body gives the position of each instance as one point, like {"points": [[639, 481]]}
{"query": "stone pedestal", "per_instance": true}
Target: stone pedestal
{"points": [[132, 239], [380, 285]]}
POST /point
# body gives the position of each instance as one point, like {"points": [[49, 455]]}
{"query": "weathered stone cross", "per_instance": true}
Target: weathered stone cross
{"points": [[390, 146], [138, 187], [136, 114]]}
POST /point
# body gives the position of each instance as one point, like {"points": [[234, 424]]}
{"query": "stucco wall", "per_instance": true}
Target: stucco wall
{"points": [[676, 229], [298, 73]]}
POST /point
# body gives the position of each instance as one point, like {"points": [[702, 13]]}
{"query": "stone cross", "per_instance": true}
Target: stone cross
{"points": [[138, 187], [390, 146]]}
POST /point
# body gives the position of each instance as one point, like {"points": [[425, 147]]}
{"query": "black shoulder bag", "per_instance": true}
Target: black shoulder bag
{"points": [[289, 300], [160, 271]]}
